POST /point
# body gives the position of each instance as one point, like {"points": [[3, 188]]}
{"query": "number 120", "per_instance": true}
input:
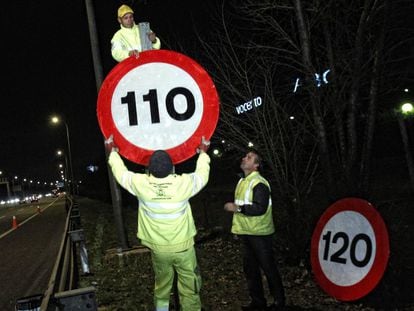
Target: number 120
{"points": [[336, 256]]}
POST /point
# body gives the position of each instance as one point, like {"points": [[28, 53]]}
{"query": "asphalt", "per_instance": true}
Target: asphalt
{"points": [[28, 253]]}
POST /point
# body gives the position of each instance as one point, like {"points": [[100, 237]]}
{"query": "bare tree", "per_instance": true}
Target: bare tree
{"points": [[258, 107], [257, 42], [316, 67]]}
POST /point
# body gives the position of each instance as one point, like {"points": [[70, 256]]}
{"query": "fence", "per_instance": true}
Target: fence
{"points": [[61, 293]]}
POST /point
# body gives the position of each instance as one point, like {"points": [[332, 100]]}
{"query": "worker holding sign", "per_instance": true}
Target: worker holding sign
{"points": [[165, 222], [127, 41]]}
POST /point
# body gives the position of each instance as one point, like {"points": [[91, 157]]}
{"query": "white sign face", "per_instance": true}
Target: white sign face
{"points": [[157, 106], [160, 100], [347, 248]]}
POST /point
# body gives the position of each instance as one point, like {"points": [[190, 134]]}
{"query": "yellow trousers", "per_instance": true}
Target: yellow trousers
{"points": [[188, 282]]}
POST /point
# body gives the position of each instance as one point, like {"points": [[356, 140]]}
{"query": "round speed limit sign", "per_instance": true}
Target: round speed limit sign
{"points": [[160, 100], [349, 249]]}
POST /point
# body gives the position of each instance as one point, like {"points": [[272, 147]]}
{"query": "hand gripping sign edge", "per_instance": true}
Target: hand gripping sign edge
{"points": [[210, 104], [372, 278]]}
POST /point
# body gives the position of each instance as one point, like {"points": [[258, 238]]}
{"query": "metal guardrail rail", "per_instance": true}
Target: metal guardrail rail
{"points": [[61, 292]]}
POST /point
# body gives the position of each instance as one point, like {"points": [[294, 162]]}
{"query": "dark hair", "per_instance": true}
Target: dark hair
{"points": [[258, 159]]}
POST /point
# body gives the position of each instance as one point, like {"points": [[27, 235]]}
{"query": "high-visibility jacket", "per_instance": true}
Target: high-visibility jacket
{"points": [[251, 225], [165, 220], [126, 40]]}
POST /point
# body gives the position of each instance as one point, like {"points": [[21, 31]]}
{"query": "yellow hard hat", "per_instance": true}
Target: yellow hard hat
{"points": [[124, 9]]}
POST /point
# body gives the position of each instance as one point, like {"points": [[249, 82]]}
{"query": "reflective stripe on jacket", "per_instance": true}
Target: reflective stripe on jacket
{"points": [[128, 39], [251, 225], [165, 220]]}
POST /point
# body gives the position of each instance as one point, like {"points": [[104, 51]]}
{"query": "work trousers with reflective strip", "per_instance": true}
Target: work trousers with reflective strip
{"points": [[188, 279]]}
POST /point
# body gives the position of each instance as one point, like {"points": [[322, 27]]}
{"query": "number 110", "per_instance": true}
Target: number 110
{"points": [[152, 98]]}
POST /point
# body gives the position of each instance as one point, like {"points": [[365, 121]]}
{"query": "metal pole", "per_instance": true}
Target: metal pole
{"points": [[114, 187], [70, 159], [83, 252], [67, 185], [408, 154]]}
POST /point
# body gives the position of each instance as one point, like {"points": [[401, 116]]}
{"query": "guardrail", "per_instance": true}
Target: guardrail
{"points": [[61, 293]]}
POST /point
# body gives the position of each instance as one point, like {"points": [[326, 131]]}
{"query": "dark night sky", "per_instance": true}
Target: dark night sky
{"points": [[49, 70]]}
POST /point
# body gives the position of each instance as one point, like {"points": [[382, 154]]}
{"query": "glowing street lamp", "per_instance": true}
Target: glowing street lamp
{"points": [[217, 153], [406, 111], [65, 175], [57, 120], [407, 108]]}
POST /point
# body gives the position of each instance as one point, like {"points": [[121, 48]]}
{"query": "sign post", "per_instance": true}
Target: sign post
{"points": [[349, 249], [114, 188]]}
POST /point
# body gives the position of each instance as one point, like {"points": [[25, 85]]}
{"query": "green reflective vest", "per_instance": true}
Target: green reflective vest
{"points": [[251, 225], [126, 40], [165, 220]]}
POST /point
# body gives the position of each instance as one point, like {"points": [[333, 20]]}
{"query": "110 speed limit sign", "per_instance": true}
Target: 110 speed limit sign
{"points": [[160, 100], [350, 249]]}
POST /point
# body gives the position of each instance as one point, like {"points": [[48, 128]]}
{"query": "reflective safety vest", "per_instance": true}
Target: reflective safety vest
{"points": [[126, 40], [251, 225], [165, 220]]}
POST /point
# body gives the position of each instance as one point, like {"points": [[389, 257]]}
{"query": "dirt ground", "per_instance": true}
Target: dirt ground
{"points": [[125, 282]]}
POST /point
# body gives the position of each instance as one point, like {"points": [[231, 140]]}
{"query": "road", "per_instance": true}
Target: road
{"points": [[28, 253]]}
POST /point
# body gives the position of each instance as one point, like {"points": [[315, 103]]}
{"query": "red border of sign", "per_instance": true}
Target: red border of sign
{"points": [[368, 283], [210, 103]]}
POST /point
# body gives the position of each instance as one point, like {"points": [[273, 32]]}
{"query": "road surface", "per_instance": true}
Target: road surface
{"points": [[28, 253]]}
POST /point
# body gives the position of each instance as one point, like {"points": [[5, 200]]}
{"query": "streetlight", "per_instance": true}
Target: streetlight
{"points": [[217, 153], [407, 108], [65, 178], [14, 187], [406, 111], [57, 120]]}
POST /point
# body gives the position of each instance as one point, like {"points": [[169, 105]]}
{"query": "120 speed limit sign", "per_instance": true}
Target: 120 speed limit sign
{"points": [[160, 100], [350, 249]]}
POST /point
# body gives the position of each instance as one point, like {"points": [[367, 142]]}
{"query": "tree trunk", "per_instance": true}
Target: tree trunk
{"points": [[371, 117], [353, 100], [408, 154], [318, 120]]}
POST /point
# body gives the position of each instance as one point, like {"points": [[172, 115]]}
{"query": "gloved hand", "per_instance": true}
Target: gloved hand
{"points": [[204, 145], [110, 144], [152, 37], [133, 53]]}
